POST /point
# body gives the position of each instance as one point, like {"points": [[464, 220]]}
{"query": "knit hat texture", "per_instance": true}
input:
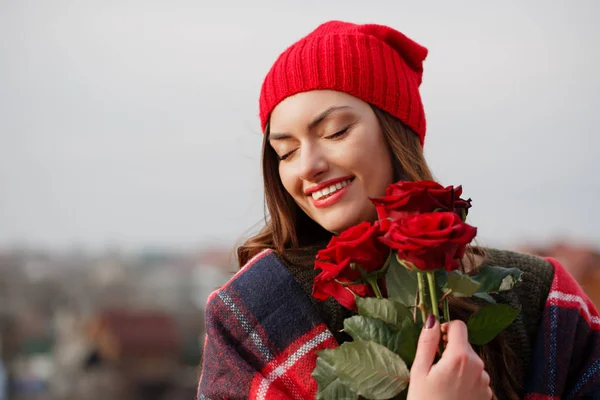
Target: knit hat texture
{"points": [[374, 63]]}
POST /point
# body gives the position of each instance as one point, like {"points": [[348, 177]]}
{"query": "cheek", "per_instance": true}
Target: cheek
{"points": [[377, 168], [385, 173], [289, 181], [378, 179]]}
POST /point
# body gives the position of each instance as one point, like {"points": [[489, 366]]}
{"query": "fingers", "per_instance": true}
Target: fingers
{"points": [[459, 355], [485, 378], [460, 370], [485, 384], [426, 348], [458, 336]]}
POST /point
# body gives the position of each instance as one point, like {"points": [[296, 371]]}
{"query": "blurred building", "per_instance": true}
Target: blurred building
{"points": [[110, 325]]}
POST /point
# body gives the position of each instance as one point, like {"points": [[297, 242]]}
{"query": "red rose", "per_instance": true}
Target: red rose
{"points": [[358, 243], [354, 249], [430, 241], [406, 198], [345, 295]]}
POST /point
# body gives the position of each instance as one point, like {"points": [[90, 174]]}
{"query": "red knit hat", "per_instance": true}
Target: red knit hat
{"points": [[375, 63]]}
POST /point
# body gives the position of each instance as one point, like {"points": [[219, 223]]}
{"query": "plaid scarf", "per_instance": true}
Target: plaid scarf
{"points": [[566, 354], [263, 334]]}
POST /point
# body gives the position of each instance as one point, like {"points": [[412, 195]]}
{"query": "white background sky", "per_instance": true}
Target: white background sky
{"points": [[136, 122]]}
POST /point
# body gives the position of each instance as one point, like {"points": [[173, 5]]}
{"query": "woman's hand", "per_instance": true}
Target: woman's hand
{"points": [[459, 373]]}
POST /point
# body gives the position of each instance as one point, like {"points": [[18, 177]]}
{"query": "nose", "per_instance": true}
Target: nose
{"points": [[313, 162]]}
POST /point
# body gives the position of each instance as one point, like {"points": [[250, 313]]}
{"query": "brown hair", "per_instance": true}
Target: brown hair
{"points": [[287, 226]]}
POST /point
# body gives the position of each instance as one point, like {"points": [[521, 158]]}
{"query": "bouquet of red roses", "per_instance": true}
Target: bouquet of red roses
{"points": [[395, 272]]}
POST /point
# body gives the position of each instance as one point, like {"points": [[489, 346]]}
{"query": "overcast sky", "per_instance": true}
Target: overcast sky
{"points": [[135, 123]]}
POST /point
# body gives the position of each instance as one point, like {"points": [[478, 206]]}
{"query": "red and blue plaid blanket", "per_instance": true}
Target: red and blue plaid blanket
{"points": [[263, 334]]}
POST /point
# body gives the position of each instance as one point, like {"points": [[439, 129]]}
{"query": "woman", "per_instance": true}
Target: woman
{"points": [[343, 119]]}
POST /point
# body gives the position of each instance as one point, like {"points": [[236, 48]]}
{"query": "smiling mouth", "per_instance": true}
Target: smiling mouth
{"points": [[330, 190]]}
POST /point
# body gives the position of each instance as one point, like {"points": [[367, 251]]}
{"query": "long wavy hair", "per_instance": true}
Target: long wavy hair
{"points": [[287, 226]]}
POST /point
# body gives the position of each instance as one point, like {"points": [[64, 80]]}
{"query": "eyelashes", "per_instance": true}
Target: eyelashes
{"points": [[337, 135], [285, 156]]}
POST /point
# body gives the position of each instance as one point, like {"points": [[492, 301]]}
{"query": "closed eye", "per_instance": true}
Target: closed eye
{"points": [[338, 134], [286, 155]]}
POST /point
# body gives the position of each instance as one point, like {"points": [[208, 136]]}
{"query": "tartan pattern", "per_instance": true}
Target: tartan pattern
{"points": [[566, 355], [263, 334]]}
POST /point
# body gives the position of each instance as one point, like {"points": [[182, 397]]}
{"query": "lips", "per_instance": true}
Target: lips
{"points": [[327, 184], [327, 200], [330, 190]]}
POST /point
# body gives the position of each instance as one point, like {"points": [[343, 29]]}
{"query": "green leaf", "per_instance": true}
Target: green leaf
{"points": [[330, 386], [486, 297], [409, 334], [462, 285], [489, 321], [386, 310], [367, 328], [402, 341], [497, 279], [370, 369], [401, 283]]}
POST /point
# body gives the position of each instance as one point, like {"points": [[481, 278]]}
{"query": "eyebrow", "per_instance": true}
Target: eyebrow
{"points": [[312, 125]]}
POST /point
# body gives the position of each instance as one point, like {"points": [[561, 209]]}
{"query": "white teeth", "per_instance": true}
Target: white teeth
{"points": [[329, 190]]}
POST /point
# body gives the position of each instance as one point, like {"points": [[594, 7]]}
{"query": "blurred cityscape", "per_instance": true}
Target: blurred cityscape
{"points": [[109, 326], [130, 326]]}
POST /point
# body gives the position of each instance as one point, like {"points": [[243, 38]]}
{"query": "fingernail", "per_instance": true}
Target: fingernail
{"points": [[430, 321]]}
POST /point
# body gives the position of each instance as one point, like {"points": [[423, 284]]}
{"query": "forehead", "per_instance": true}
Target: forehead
{"points": [[297, 111]]}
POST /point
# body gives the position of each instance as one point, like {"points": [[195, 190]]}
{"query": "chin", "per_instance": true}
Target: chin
{"points": [[343, 218], [338, 226]]}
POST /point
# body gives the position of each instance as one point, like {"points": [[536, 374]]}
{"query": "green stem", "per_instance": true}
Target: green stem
{"points": [[375, 286], [446, 310], [421, 283], [434, 302]]}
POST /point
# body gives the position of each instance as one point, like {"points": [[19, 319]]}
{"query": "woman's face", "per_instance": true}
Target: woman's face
{"points": [[333, 156]]}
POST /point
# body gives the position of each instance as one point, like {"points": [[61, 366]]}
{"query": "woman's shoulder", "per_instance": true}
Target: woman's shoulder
{"points": [[554, 311], [513, 259], [537, 272], [251, 277], [531, 293], [262, 289]]}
